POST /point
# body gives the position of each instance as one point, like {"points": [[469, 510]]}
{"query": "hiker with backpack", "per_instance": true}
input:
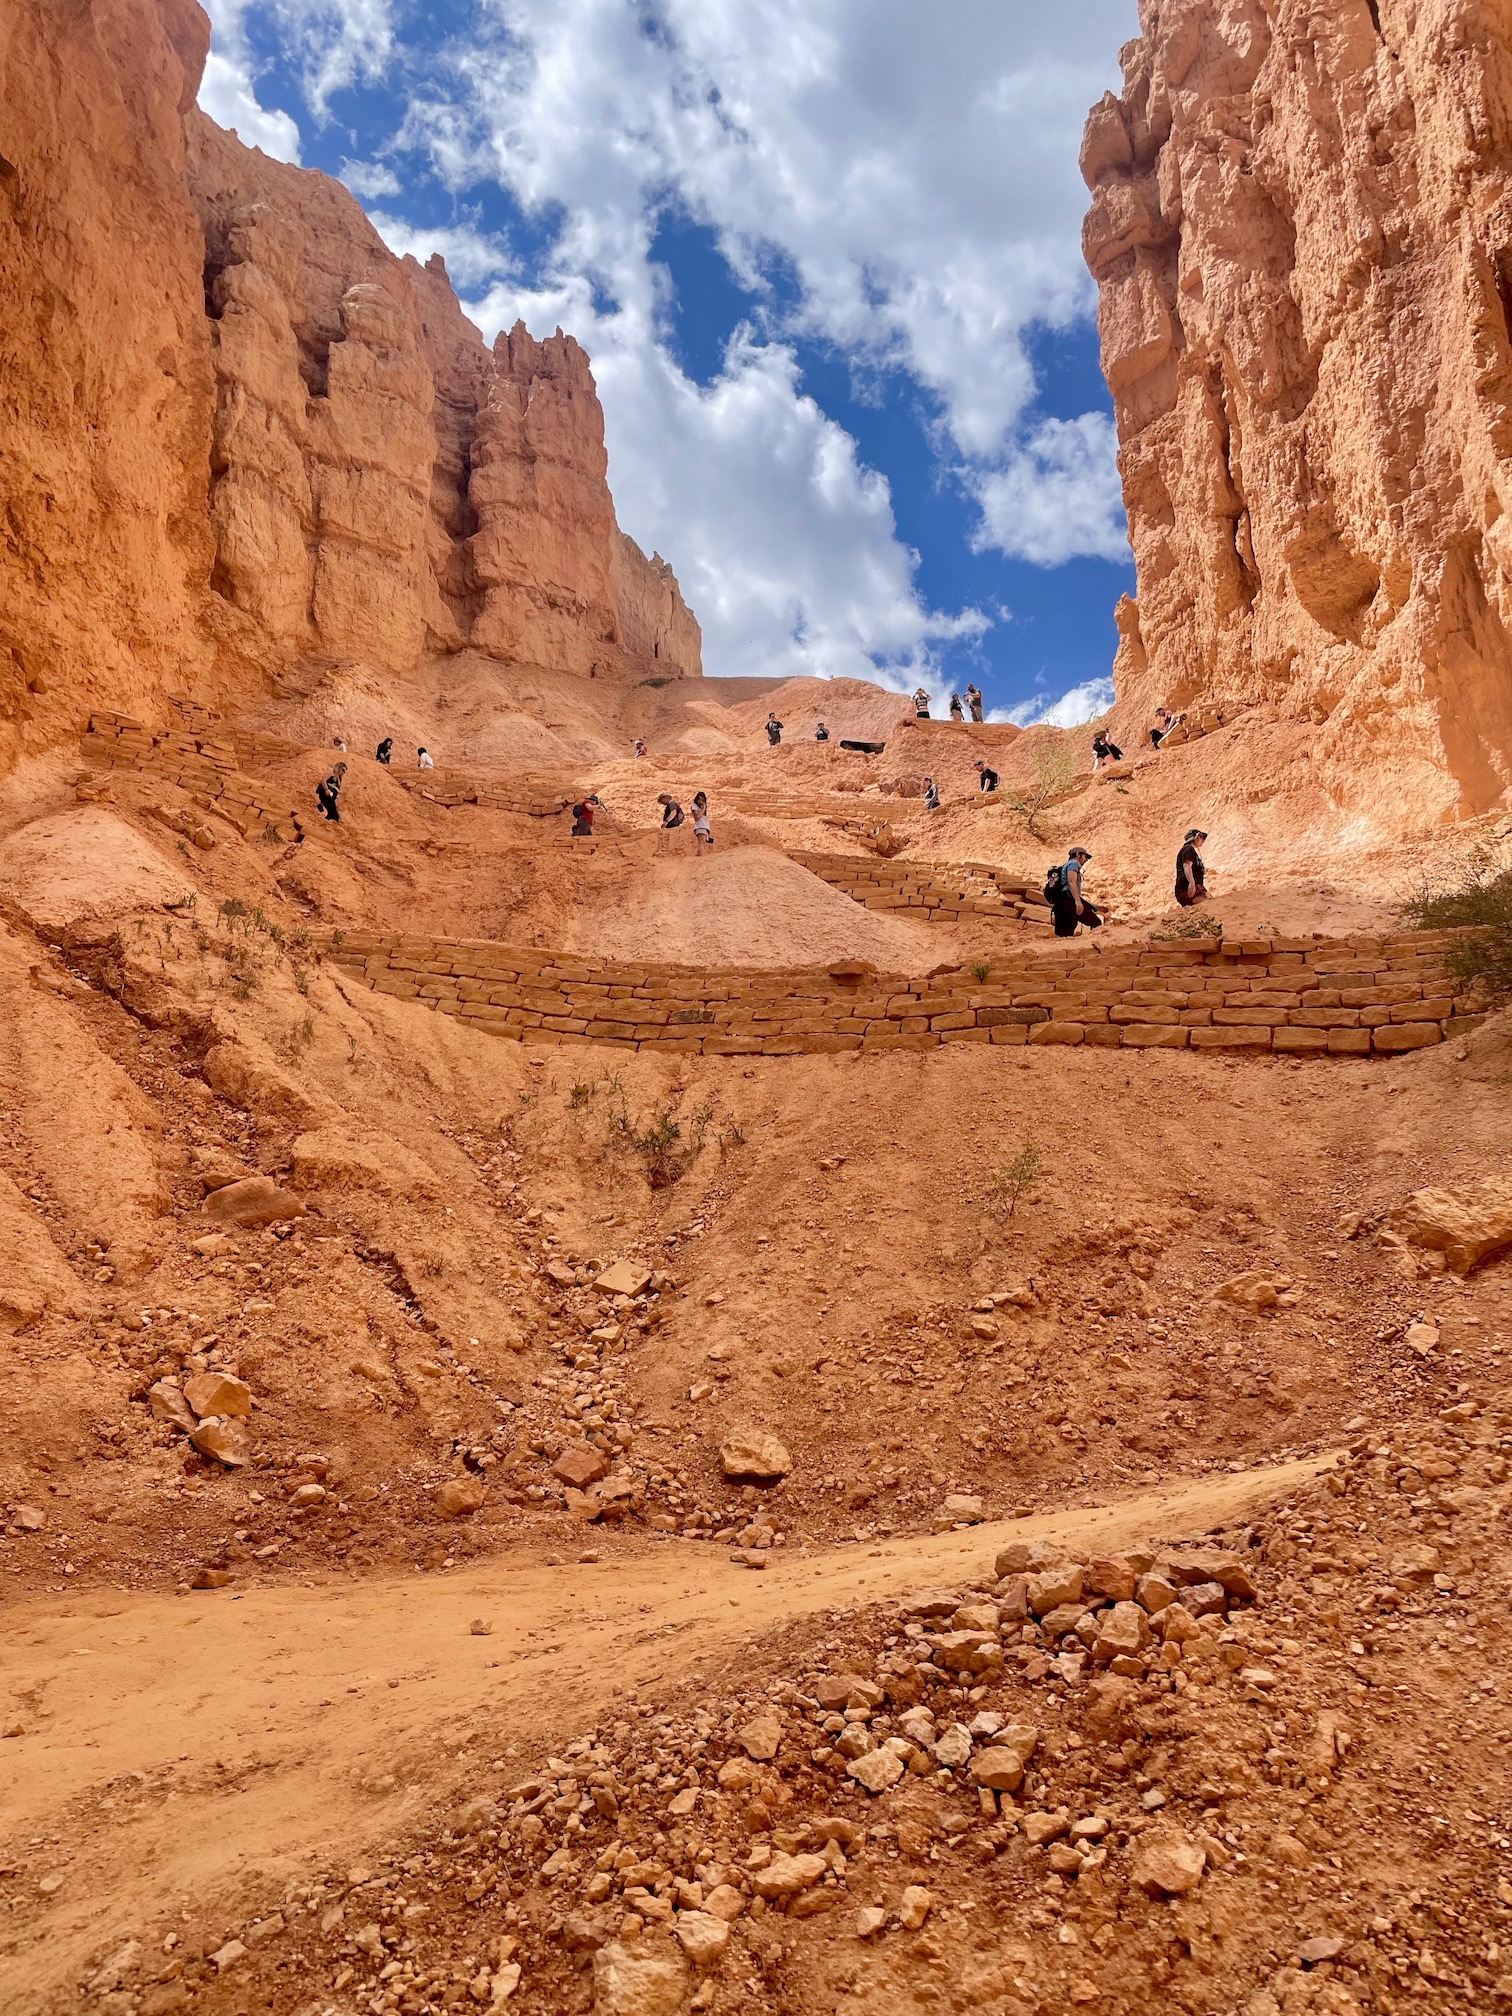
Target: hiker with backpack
{"points": [[1063, 892], [582, 817]]}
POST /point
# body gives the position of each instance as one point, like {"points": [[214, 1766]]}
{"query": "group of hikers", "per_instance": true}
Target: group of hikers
{"points": [[672, 817], [328, 791], [1067, 897], [774, 729], [959, 709]]}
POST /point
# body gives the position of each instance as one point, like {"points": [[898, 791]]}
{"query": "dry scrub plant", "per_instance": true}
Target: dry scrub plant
{"points": [[1053, 770], [1480, 904]]}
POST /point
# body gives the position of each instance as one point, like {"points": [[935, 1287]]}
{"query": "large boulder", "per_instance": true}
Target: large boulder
{"points": [[750, 1453], [1467, 1226]]}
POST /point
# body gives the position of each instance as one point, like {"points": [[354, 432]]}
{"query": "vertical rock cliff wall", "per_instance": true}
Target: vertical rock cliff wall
{"points": [[1301, 226], [236, 430]]}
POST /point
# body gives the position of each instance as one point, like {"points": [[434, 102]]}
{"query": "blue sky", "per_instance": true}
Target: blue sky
{"points": [[825, 256]]}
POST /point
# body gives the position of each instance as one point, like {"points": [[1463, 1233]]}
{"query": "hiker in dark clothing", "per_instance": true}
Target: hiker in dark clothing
{"points": [[385, 750], [821, 733], [931, 795], [957, 711], [773, 730], [1104, 751], [328, 794], [1071, 907], [987, 780], [1191, 876], [582, 818], [974, 701]]}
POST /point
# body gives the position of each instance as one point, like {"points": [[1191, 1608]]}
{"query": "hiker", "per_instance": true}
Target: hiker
{"points": [[773, 730], [328, 794], [1165, 721], [1191, 876], [385, 750], [821, 733], [974, 700], [671, 819], [424, 760], [931, 795], [987, 780], [1104, 751], [582, 817], [957, 711], [640, 746], [703, 832], [921, 705], [1070, 906], [337, 743]]}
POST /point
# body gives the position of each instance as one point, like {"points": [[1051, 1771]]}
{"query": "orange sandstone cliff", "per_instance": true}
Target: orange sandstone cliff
{"points": [[236, 431], [1301, 225]]}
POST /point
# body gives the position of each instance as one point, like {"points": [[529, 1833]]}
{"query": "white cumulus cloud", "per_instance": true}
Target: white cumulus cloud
{"points": [[1069, 710], [1057, 496]]}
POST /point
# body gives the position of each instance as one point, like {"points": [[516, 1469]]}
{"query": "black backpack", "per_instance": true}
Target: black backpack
{"points": [[1053, 883]]}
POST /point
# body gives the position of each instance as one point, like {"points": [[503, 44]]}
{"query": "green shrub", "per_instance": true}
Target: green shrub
{"points": [[1479, 904]]}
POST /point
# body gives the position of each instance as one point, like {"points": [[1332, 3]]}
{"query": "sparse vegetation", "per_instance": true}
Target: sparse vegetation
{"points": [[1015, 1177], [1202, 925], [1479, 904], [981, 969], [1052, 772]]}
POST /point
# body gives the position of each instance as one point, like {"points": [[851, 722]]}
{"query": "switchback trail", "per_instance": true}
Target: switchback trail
{"points": [[178, 1748]]}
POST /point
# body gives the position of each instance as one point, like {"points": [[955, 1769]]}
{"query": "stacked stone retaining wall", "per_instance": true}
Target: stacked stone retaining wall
{"points": [[944, 890], [1301, 997], [207, 766]]}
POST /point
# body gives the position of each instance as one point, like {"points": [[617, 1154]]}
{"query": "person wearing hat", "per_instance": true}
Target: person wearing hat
{"points": [[1191, 876], [582, 817], [1071, 907]]}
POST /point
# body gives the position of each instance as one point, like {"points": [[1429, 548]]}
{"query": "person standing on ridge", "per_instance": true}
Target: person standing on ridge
{"points": [[328, 794], [385, 750], [773, 730], [1070, 905], [957, 711], [1191, 876], [921, 705], [974, 700], [703, 832]]}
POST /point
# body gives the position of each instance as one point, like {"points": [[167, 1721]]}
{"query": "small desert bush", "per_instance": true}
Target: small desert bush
{"points": [[1480, 905]]}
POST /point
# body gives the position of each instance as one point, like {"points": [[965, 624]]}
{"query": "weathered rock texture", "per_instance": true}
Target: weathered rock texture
{"points": [[1301, 225], [235, 430]]}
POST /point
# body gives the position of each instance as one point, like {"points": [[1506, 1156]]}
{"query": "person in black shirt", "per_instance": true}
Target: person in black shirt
{"points": [[328, 794], [385, 749], [987, 780], [821, 733], [1104, 751], [773, 730], [1191, 876]]}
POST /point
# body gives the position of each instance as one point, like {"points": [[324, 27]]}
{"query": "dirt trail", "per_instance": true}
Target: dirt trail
{"points": [[180, 1748]]}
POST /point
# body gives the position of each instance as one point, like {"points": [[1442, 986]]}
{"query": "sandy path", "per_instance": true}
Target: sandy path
{"points": [[286, 1725]]}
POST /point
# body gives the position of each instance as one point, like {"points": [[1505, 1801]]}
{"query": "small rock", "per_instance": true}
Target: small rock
{"points": [[166, 1402], [256, 1200], [481, 1627], [1311, 1951], [953, 1749], [303, 1496], [1012, 1559], [998, 1769], [1251, 1291], [228, 1955], [724, 1901], [761, 1737], [914, 1906], [756, 1455], [218, 1393], [580, 1465], [28, 1519], [459, 1497], [226, 1441], [212, 1578], [1041, 1828], [874, 1773], [1053, 1587], [1167, 1865], [964, 1509], [703, 1936], [625, 1277], [786, 1875], [869, 1921]]}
